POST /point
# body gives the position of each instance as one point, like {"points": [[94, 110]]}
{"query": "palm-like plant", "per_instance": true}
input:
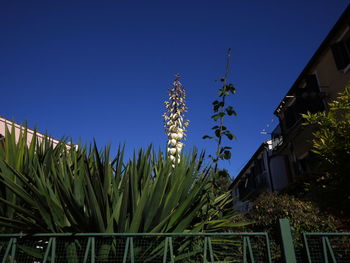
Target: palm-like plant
{"points": [[64, 189]]}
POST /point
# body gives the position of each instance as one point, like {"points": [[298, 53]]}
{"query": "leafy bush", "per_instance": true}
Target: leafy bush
{"points": [[303, 216]]}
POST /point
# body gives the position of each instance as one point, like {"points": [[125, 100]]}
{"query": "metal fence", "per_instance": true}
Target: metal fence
{"points": [[182, 247], [327, 247], [174, 247]]}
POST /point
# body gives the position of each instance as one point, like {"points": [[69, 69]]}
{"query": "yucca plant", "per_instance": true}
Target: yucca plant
{"points": [[79, 189], [61, 189]]}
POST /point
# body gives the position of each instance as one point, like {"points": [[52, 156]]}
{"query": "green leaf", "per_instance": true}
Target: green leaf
{"points": [[223, 92], [227, 155], [215, 117], [207, 137], [230, 111], [229, 135], [231, 89]]}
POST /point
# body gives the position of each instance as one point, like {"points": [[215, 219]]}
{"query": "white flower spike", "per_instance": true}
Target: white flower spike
{"points": [[175, 125]]}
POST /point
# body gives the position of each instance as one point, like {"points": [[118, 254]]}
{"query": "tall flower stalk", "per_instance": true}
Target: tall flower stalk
{"points": [[175, 123]]}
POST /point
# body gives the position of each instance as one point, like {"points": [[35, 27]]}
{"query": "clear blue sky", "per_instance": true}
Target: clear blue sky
{"points": [[101, 69]]}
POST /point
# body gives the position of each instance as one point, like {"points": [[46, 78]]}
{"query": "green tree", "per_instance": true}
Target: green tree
{"points": [[331, 143]]}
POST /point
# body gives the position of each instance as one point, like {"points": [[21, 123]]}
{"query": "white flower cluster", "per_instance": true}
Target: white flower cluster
{"points": [[175, 126]]}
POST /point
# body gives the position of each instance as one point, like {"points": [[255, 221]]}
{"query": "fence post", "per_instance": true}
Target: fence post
{"points": [[287, 241]]}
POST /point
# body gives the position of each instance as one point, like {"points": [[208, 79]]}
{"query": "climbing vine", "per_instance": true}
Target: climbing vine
{"points": [[221, 110]]}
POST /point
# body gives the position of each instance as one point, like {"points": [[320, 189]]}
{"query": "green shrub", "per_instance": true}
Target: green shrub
{"points": [[302, 215]]}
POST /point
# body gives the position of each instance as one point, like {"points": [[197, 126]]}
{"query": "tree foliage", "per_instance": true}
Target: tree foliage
{"points": [[331, 143]]}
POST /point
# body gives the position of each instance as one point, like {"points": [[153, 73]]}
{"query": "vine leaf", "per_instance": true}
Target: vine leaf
{"points": [[230, 111], [216, 117], [227, 155], [229, 135]]}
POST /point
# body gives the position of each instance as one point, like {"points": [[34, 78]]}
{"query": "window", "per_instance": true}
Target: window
{"points": [[307, 98], [341, 52]]}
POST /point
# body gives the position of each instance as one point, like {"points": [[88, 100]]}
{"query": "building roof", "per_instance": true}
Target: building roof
{"points": [[343, 20]]}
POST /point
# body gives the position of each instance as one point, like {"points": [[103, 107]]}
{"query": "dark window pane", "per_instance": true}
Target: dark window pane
{"points": [[341, 56]]}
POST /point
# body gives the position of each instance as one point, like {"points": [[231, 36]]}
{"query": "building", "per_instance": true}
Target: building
{"points": [[325, 75], [265, 171], [6, 123], [290, 157], [254, 178]]}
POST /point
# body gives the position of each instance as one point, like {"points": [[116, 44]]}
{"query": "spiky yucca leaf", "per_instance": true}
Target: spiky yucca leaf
{"points": [[68, 189]]}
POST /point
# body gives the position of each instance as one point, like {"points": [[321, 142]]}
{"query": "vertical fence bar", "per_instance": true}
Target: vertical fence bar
{"points": [[287, 241], [87, 249], [269, 258], [129, 246], [207, 244], [7, 251], [92, 249], [13, 250], [51, 247], [326, 245], [165, 253], [53, 250], [247, 244], [211, 254], [244, 251], [306, 245], [125, 257], [171, 249], [324, 250], [168, 245], [47, 251], [132, 254]]}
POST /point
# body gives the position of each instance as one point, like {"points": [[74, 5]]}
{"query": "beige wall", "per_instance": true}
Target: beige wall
{"points": [[329, 77], [18, 128]]}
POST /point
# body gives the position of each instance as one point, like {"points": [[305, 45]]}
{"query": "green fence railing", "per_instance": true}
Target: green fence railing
{"points": [[327, 247], [176, 247]]}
